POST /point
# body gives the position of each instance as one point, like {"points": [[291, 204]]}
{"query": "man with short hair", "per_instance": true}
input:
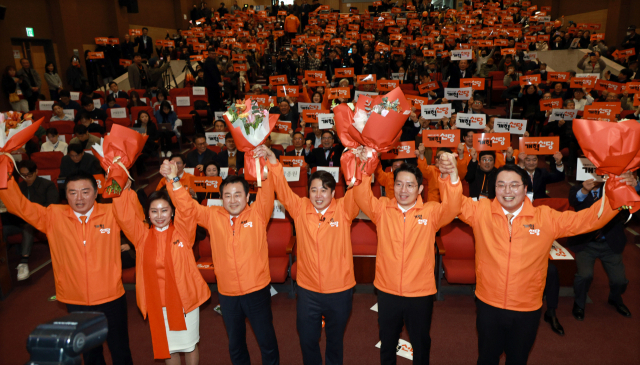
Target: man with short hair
{"points": [[77, 161], [84, 239], [212, 79], [405, 260], [314, 138], [464, 150], [113, 90], [240, 258], [231, 157], [39, 191], [83, 136], [32, 78], [138, 73], [145, 44], [539, 178], [287, 113], [326, 154], [299, 148], [67, 103], [481, 175], [202, 155], [90, 110], [512, 243]]}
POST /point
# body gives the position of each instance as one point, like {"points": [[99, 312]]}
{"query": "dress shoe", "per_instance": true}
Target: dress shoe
{"points": [[555, 324], [578, 312], [620, 308]]}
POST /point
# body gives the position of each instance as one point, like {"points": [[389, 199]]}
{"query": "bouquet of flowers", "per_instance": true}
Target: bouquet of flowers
{"points": [[614, 148], [250, 125], [117, 152], [17, 132], [375, 124]]}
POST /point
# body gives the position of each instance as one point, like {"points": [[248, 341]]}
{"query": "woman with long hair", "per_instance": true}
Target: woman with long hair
{"points": [[134, 100], [16, 89], [53, 80], [169, 287], [165, 115]]}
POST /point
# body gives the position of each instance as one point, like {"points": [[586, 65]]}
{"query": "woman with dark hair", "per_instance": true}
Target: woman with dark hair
{"points": [[169, 287], [134, 100], [161, 96], [150, 148], [165, 115], [53, 80], [75, 75], [210, 169], [16, 89]]}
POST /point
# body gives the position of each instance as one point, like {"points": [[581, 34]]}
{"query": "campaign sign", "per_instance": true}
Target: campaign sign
{"points": [[213, 138], [291, 173], [562, 114], [325, 121], [512, 126], [207, 184], [308, 106], [586, 170], [471, 121], [539, 145], [441, 137], [436, 111], [458, 94], [491, 141], [401, 151], [292, 161]]}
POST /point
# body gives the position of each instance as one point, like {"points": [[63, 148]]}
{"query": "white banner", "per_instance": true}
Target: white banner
{"points": [[118, 112], [45, 105], [586, 170], [308, 106], [291, 173], [558, 252], [513, 126], [592, 75], [544, 19], [397, 76], [183, 101], [278, 210], [370, 94], [471, 121], [213, 138], [562, 114], [335, 171], [463, 93], [530, 56], [461, 54], [198, 90], [325, 121], [96, 103], [436, 111], [218, 115]]}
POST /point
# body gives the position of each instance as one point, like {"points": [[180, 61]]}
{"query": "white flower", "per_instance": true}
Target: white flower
{"points": [[360, 119]]}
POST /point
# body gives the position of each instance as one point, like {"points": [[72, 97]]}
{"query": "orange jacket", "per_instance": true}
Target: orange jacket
{"points": [[291, 24], [240, 258], [511, 270], [405, 258], [186, 180], [385, 179], [500, 158], [325, 259], [430, 173], [191, 286], [85, 273]]}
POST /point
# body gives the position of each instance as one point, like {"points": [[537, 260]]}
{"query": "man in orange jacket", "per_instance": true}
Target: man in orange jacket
{"points": [[240, 259], [405, 258], [291, 25], [324, 260], [513, 240], [84, 239]]}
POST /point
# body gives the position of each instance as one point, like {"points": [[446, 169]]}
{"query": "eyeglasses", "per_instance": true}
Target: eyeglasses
{"points": [[410, 187], [327, 138], [487, 160], [512, 186], [530, 160]]}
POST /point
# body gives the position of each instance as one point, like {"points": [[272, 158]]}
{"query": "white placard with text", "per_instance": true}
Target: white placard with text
{"points": [[325, 121], [308, 106], [118, 112], [183, 101], [278, 210], [334, 171], [586, 170], [291, 173], [513, 126], [471, 121], [213, 138], [198, 90]]}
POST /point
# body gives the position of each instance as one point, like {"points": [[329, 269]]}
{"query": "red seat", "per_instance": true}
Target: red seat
{"points": [[340, 184], [411, 92], [122, 102], [497, 85], [37, 114], [623, 114], [278, 147], [364, 238], [300, 187], [205, 262], [137, 109], [120, 121], [129, 276], [139, 91], [280, 240], [52, 173], [405, 87], [215, 149], [204, 97], [458, 258], [63, 126], [47, 160]]}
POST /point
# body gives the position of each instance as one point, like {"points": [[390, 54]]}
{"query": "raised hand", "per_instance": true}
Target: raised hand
{"points": [[558, 157], [588, 185], [420, 151], [474, 154], [627, 178], [509, 153], [447, 165], [461, 149], [165, 168]]}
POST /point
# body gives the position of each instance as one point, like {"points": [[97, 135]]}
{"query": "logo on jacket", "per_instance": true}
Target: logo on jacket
{"points": [[333, 224], [248, 224], [177, 242], [534, 231], [105, 230], [422, 221]]}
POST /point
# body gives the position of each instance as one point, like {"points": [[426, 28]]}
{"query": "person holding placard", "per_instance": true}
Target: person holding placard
{"points": [[325, 271], [512, 240], [240, 256], [405, 260], [299, 148], [287, 113]]}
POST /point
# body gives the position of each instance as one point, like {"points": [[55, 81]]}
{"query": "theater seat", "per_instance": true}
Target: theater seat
{"points": [[129, 276], [279, 239], [364, 238], [560, 204], [455, 255], [205, 262]]}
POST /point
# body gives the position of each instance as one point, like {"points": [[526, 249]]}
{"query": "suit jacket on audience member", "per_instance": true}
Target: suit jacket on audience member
{"points": [[134, 75], [120, 94], [318, 157], [613, 231], [480, 180], [192, 158], [145, 49], [223, 159], [542, 177], [312, 137], [42, 191], [293, 152], [88, 164]]}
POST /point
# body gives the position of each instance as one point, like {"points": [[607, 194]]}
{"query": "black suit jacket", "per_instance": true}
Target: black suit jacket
{"points": [[142, 49], [42, 191], [317, 156], [192, 158], [211, 75], [613, 231], [542, 177], [480, 180], [120, 94], [292, 116], [223, 159], [293, 152], [88, 164]]}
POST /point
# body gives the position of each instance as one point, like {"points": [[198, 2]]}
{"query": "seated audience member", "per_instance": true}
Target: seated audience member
{"points": [[38, 190], [113, 90], [67, 103], [150, 129], [135, 100], [202, 155], [315, 137], [299, 148], [111, 103], [92, 125], [539, 177], [161, 96], [90, 109], [581, 98], [58, 113], [277, 152], [481, 175], [186, 179], [54, 143], [231, 157], [211, 169], [287, 113], [327, 154], [167, 117], [77, 161], [83, 137]]}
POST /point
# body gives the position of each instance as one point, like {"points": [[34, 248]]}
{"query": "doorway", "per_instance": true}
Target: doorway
{"points": [[39, 52]]}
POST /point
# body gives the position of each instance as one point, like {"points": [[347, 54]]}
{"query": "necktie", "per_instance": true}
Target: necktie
{"points": [[319, 219], [84, 224], [509, 216], [233, 220], [595, 194]]}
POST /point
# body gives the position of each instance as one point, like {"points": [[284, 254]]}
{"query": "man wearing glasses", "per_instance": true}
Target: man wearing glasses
{"points": [[513, 239], [481, 175], [327, 154]]}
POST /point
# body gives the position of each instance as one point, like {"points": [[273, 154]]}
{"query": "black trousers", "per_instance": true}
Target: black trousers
{"points": [[256, 307], [414, 312], [502, 330], [118, 335], [335, 308], [215, 100], [552, 287], [613, 266]]}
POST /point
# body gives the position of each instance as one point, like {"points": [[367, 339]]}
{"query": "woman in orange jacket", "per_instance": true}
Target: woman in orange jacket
{"points": [[405, 259], [513, 239], [169, 287], [325, 261]]}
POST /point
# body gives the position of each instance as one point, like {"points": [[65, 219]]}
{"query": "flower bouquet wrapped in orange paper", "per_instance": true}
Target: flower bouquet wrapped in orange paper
{"points": [[117, 152], [373, 123], [614, 148], [16, 131], [250, 125]]}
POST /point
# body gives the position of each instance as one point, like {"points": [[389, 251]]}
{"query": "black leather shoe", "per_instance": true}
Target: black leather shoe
{"points": [[620, 308], [578, 312], [555, 324]]}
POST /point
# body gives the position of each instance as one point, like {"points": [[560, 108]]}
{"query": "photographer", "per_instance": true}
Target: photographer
{"points": [[355, 60]]}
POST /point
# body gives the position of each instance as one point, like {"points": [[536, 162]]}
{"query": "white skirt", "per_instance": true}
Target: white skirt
{"points": [[184, 341]]}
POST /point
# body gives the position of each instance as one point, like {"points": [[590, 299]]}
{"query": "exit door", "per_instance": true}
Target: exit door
{"points": [[39, 52]]}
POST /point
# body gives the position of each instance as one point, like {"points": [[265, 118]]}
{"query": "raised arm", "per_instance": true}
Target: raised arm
{"points": [[574, 223], [291, 201], [450, 190], [184, 203], [130, 217], [369, 204], [350, 206], [16, 203], [266, 194]]}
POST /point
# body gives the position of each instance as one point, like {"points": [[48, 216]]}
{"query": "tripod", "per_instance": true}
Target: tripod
{"points": [[167, 76]]}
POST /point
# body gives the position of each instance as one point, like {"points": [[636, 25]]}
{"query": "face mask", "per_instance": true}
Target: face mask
{"points": [[224, 61], [628, 33], [543, 71]]}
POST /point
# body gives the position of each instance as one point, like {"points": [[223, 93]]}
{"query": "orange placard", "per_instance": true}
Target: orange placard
{"points": [[543, 38], [400, 151], [262, 100], [550, 104], [101, 182], [491, 141], [429, 86], [135, 31], [96, 55], [207, 184], [366, 79], [238, 57], [476, 83], [223, 52], [507, 51], [196, 58], [539, 145], [558, 76], [237, 67], [124, 62], [288, 90], [502, 43], [417, 101], [311, 116], [292, 161], [627, 52], [632, 87], [278, 80], [101, 40], [597, 37], [429, 52], [344, 72], [604, 85], [441, 138], [580, 82], [602, 110], [315, 75], [339, 92], [636, 100], [282, 127], [530, 80], [387, 85]]}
